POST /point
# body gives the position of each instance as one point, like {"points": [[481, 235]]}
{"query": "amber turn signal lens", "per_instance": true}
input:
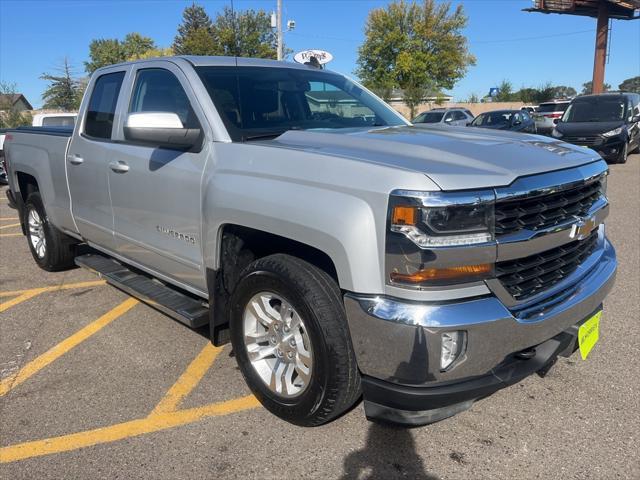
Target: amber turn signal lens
{"points": [[403, 215], [439, 274]]}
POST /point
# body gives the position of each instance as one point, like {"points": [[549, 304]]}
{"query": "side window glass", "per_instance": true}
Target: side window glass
{"points": [[158, 90], [102, 105], [460, 116], [448, 117]]}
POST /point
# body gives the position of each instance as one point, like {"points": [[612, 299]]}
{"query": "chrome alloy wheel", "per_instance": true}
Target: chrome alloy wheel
{"points": [[277, 343], [36, 233]]}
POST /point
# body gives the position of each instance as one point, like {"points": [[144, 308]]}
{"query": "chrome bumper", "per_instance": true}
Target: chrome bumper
{"points": [[399, 341]]}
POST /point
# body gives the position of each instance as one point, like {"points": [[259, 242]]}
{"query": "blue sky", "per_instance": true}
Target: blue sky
{"points": [[527, 48]]}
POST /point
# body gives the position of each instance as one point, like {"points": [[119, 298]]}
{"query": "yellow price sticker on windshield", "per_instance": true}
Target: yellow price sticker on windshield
{"points": [[588, 334]]}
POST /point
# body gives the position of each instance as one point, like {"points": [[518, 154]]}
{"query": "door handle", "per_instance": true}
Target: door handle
{"points": [[119, 167], [75, 159]]}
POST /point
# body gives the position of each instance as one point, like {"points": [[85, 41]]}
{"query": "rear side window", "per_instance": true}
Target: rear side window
{"points": [[158, 90], [102, 105]]}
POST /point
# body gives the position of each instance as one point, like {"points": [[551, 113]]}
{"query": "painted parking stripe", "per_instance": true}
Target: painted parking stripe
{"points": [[188, 380], [120, 431], [13, 225], [54, 288], [11, 235], [37, 364]]}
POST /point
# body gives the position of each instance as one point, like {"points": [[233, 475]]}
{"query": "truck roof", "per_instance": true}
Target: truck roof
{"points": [[221, 61]]}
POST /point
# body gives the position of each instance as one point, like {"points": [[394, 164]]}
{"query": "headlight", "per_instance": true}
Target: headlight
{"points": [[426, 231], [444, 220], [556, 134], [603, 184], [613, 133]]}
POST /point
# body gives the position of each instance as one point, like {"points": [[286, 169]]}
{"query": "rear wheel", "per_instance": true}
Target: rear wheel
{"points": [[51, 249], [290, 337]]}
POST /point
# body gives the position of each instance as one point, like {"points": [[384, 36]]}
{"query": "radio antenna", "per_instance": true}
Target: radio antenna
{"points": [[235, 33]]}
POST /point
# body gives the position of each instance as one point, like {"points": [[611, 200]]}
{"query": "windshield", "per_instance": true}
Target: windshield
{"points": [[492, 119], [262, 102], [429, 117], [552, 107], [596, 110]]}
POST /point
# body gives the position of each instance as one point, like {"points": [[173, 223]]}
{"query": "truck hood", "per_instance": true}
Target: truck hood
{"points": [[455, 158]]}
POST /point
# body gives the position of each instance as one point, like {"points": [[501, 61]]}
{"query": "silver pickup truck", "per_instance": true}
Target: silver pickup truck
{"points": [[343, 252]]}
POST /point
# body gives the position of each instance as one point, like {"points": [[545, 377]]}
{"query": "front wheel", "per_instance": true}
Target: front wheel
{"points": [[291, 340], [624, 153]]}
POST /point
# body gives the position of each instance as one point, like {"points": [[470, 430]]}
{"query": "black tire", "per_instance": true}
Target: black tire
{"points": [[637, 148], [334, 385], [58, 248], [622, 158]]}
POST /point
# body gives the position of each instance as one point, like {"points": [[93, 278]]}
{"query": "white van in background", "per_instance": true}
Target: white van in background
{"points": [[55, 119]]}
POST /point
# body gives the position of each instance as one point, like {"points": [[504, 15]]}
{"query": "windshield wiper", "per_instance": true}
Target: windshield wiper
{"points": [[263, 136]]}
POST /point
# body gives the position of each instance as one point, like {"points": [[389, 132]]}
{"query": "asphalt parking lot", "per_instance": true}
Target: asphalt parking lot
{"points": [[94, 384]]}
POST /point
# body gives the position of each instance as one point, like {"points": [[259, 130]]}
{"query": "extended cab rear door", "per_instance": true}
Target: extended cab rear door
{"points": [[88, 157], [156, 191]]}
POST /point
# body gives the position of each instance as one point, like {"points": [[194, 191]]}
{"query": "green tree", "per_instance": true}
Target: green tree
{"points": [[587, 88], [630, 85], [135, 46], [505, 92], [562, 91], [414, 46], [473, 98], [63, 91], [244, 34], [195, 33], [545, 93], [527, 95], [10, 116], [108, 51]]}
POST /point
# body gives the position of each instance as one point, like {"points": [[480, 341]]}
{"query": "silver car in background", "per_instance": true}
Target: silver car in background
{"points": [[459, 117], [548, 114]]}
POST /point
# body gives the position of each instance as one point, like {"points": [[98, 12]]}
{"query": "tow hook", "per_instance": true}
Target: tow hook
{"points": [[526, 354]]}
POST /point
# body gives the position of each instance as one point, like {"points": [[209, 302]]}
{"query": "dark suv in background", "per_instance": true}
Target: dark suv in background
{"points": [[609, 123]]}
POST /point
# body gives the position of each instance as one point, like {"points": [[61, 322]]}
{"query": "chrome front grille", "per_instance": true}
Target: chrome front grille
{"points": [[545, 210], [525, 277]]}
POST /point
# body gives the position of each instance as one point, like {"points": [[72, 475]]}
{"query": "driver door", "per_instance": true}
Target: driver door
{"points": [[155, 191]]}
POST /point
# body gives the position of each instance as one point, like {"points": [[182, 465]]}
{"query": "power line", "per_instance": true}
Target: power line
{"points": [[471, 41]]}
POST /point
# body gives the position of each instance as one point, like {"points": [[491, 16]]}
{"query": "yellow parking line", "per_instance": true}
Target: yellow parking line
{"points": [[11, 235], [22, 298], [63, 347], [54, 288], [123, 430], [188, 380], [9, 226], [9, 218]]}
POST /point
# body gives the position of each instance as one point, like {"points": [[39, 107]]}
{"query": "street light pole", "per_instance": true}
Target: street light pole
{"points": [[279, 29]]}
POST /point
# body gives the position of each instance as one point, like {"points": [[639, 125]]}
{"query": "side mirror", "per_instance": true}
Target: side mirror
{"points": [[160, 129], [448, 120], [517, 122]]}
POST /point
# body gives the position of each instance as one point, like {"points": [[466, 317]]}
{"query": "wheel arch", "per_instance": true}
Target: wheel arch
{"points": [[237, 247]]}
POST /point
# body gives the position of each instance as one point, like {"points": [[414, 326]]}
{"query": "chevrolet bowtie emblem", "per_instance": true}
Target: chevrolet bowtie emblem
{"points": [[582, 228]]}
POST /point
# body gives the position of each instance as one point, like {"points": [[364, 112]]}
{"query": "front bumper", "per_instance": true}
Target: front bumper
{"points": [[397, 344]]}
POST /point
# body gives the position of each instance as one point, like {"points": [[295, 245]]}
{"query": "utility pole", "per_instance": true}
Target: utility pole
{"points": [[602, 35], [279, 29]]}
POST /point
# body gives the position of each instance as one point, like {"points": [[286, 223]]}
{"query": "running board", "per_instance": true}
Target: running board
{"points": [[186, 309]]}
